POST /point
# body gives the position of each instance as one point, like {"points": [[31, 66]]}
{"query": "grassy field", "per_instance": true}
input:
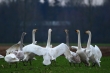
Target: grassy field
{"points": [[62, 66]]}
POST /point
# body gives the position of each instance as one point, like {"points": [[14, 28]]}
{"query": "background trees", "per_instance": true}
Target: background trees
{"points": [[24, 15]]}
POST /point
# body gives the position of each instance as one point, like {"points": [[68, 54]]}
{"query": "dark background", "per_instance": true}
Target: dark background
{"points": [[26, 15]]}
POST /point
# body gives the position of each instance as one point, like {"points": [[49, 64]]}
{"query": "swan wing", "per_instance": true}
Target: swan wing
{"points": [[60, 49], [98, 51], [32, 48]]}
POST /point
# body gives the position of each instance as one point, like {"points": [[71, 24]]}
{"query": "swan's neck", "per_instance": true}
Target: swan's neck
{"points": [[22, 37], [33, 37], [79, 41], [49, 39], [89, 41], [67, 39]]}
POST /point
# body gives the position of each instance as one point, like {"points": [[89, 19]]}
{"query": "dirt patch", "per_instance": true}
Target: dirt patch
{"points": [[105, 50]]}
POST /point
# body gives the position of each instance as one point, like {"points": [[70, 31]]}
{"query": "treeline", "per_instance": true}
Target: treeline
{"points": [[26, 15]]}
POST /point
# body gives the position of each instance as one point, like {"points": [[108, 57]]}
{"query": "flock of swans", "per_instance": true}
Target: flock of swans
{"points": [[20, 52]]}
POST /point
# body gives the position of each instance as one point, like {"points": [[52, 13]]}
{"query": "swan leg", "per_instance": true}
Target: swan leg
{"points": [[10, 65], [23, 63], [93, 64], [70, 63], [53, 62], [74, 64], [30, 62], [16, 65], [79, 65]]}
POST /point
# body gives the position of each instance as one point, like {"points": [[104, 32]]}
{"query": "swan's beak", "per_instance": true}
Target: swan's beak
{"points": [[25, 33], [50, 29], [76, 30], [34, 30], [66, 30], [87, 31]]}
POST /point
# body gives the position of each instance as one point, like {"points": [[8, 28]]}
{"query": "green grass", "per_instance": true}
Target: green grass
{"points": [[62, 66]]}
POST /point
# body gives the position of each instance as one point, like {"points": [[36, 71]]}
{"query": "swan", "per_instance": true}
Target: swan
{"points": [[93, 53], [81, 52], [11, 58], [1, 56], [31, 50], [75, 57], [14, 48], [52, 51], [20, 53], [31, 55], [49, 46], [46, 53]]}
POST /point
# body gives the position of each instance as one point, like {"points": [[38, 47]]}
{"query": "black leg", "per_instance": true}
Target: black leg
{"points": [[16, 65], [30, 62], [74, 64], [10, 65], [93, 64], [70, 63], [79, 65]]}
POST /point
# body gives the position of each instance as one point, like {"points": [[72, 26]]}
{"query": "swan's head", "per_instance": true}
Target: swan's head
{"points": [[34, 30], [78, 31], [87, 32], [50, 30], [66, 30], [24, 33]]}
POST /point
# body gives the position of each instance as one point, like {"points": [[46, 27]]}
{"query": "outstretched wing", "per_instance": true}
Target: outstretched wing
{"points": [[60, 49], [31, 48]]}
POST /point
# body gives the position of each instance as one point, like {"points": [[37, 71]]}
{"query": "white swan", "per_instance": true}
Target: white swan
{"points": [[75, 57], [93, 53], [47, 53], [81, 52], [52, 51], [32, 49], [11, 58]]}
